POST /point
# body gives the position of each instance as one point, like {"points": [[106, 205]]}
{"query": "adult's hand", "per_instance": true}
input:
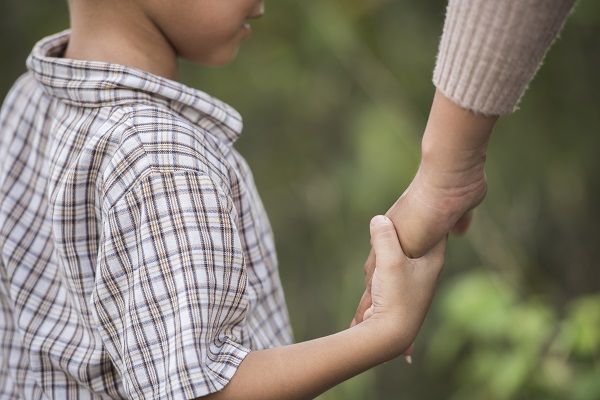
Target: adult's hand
{"points": [[449, 183]]}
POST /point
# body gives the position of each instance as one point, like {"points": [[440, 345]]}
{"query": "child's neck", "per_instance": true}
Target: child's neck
{"points": [[102, 34]]}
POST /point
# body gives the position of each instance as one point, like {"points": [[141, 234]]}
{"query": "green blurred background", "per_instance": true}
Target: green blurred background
{"points": [[335, 95]]}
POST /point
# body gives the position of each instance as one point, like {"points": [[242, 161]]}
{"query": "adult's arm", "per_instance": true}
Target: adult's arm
{"points": [[489, 51]]}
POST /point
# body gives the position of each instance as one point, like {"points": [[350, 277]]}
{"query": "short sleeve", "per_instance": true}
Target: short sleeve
{"points": [[170, 295]]}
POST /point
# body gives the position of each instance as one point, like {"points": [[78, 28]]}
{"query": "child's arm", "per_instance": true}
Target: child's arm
{"points": [[402, 292]]}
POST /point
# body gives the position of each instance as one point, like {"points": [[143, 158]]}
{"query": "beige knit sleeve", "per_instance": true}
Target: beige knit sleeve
{"points": [[491, 49]]}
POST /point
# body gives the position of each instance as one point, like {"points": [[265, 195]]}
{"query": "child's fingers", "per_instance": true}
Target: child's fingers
{"points": [[388, 252]]}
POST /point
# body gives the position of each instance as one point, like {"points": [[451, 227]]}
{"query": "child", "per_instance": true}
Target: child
{"points": [[137, 260]]}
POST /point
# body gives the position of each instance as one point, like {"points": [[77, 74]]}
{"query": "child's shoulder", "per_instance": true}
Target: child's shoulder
{"points": [[150, 139], [121, 123], [16, 106]]}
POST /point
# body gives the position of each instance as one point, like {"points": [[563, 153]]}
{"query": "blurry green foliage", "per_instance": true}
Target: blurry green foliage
{"points": [[335, 96], [515, 348]]}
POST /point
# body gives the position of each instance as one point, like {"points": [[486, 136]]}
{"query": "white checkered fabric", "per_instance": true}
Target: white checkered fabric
{"points": [[136, 257]]}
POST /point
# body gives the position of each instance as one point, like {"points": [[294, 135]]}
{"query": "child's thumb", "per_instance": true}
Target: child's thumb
{"points": [[388, 253]]}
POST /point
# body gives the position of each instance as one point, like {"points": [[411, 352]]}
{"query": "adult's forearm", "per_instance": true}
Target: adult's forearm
{"points": [[450, 180], [304, 370], [455, 142]]}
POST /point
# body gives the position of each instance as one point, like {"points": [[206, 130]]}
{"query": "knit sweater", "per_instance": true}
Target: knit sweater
{"points": [[491, 49]]}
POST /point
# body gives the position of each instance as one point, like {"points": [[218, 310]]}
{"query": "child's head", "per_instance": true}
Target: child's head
{"points": [[202, 31]]}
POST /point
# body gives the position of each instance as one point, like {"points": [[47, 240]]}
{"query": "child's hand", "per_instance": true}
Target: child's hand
{"points": [[401, 288], [422, 216]]}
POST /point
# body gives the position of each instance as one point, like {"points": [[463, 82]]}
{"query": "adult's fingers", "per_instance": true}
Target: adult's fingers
{"points": [[436, 256], [463, 223], [365, 303], [369, 267], [368, 314]]}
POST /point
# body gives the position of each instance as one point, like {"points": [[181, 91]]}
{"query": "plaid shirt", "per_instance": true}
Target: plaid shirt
{"points": [[136, 257]]}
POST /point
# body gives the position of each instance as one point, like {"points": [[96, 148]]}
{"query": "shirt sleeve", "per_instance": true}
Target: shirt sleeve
{"points": [[170, 294], [491, 49]]}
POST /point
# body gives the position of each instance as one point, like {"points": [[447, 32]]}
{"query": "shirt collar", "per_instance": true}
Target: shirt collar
{"points": [[101, 84]]}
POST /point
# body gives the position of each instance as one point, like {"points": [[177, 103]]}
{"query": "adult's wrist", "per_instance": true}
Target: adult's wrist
{"points": [[454, 145]]}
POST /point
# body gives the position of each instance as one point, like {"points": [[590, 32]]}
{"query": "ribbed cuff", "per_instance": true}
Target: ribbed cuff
{"points": [[491, 49]]}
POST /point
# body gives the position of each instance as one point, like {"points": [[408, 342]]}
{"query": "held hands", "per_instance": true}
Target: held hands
{"points": [[402, 288], [450, 182], [402, 293], [423, 216]]}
